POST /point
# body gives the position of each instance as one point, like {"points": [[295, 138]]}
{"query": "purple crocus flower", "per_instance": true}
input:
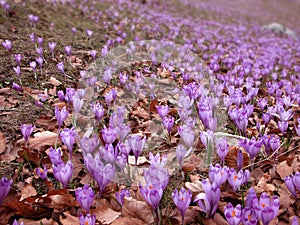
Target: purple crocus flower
{"points": [[117, 117], [295, 221], [168, 122], [162, 110], [87, 220], [240, 160], [283, 126], [70, 93], [40, 41], [296, 180], [85, 197], [222, 148], [103, 174], [136, 144], [17, 70], [68, 50], [61, 115], [218, 174], [42, 173], [67, 136], [248, 216], [265, 208], [17, 87], [274, 142], [156, 176], [7, 45], [289, 183], [55, 156], [39, 51], [187, 135], [122, 131], [18, 58], [240, 118], [26, 130], [232, 214], [207, 138], [52, 46], [235, 179], [40, 61], [93, 54], [152, 194], [98, 111], [16, 222], [109, 153], [63, 172], [89, 33], [251, 146], [181, 153], [109, 135], [182, 200], [5, 186], [89, 145], [61, 67], [208, 201], [121, 194]]}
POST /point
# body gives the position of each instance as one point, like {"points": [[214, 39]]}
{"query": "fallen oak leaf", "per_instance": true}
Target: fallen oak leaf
{"points": [[105, 215], [28, 191]]}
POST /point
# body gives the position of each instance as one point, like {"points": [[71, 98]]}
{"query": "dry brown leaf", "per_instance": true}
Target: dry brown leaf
{"points": [[29, 155], [45, 138], [105, 215], [38, 222], [5, 214], [54, 81], [194, 187], [2, 143], [219, 219], [286, 199], [138, 209], [283, 169], [60, 199], [231, 157], [69, 219], [28, 191], [128, 220], [264, 186]]}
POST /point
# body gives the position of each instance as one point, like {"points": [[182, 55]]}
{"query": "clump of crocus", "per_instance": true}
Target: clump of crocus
{"points": [[33, 19], [232, 214], [208, 201], [265, 208], [218, 174], [5, 186], [26, 130], [87, 220], [63, 172], [85, 197], [182, 200], [121, 195]]}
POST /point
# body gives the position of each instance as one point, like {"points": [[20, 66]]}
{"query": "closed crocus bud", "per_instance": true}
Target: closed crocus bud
{"points": [[26, 130], [103, 174], [63, 172], [61, 67], [61, 115], [296, 180], [117, 117], [121, 194], [18, 58], [68, 50], [42, 173], [233, 215], [122, 131], [93, 54], [283, 126], [87, 220], [17, 87], [5, 186], [182, 200], [17, 70], [295, 221], [180, 154], [109, 153], [240, 159], [290, 185], [85, 197], [77, 104], [7, 45]]}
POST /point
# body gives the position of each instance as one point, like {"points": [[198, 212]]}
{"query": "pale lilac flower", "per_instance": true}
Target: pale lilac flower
{"points": [[39, 51], [117, 117], [52, 46], [89, 145], [67, 136], [87, 220], [17, 87], [40, 41], [63, 172], [98, 110], [16, 222], [168, 122], [222, 148], [61, 67], [233, 215], [295, 221], [103, 174], [89, 33], [162, 110], [55, 156], [252, 146], [109, 153], [248, 216], [85, 197], [17, 70], [68, 50], [181, 153], [207, 138], [235, 179], [187, 135], [93, 54]]}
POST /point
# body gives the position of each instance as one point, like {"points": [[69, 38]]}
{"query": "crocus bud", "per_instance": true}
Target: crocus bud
{"points": [[5, 186], [7, 45], [109, 135], [168, 122], [162, 110], [26, 130], [42, 173], [61, 115], [121, 194], [85, 197]]}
